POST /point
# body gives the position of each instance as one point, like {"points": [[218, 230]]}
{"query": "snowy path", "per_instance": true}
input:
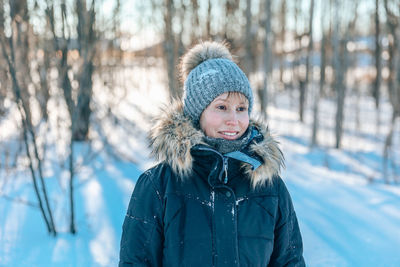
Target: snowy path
{"points": [[101, 199], [344, 221]]}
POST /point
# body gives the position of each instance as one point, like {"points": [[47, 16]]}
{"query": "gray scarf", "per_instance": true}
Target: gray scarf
{"points": [[224, 146]]}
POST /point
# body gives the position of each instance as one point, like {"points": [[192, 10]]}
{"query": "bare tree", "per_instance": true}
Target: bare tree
{"points": [[267, 57], [170, 49], [248, 40], [282, 22], [339, 57], [318, 92], [393, 81], [43, 68], [79, 107], [208, 22], [378, 51], [296, 52], [3, 73], [230, 26], [196, 30], [17, 56], [87, 51], [303, 87]]}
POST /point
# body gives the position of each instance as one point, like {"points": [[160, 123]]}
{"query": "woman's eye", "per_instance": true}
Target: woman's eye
{"points": [[221, 107]]}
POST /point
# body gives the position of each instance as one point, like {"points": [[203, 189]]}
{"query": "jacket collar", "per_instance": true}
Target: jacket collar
{"points": [[173, 136]]}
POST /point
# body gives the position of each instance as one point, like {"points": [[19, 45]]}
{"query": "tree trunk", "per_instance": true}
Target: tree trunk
{"points": [[3, 72], [387, 147], [302, 88], [208, 23], [230, 25], [195, 27], [248, 60], [72, 227], [378, 79], [339, 56], [318, 92], [267, 58], [86, 40], [393, 80], [43, 94], [303, 92], [282, 22], [170, 50], [297, 56], [377, 82]]}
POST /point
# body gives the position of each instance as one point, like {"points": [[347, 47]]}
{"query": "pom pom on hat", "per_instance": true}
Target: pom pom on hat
{"points": [[202, 52], [209, 71]]}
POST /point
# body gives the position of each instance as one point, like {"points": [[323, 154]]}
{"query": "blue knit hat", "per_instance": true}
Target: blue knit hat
{"points": [[208, 71]]}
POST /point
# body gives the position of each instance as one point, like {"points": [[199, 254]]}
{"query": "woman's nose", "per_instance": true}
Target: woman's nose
{"points": [[232, 118]]}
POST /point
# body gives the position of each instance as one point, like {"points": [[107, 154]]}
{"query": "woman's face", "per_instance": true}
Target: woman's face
{"points": [[226, 117]]}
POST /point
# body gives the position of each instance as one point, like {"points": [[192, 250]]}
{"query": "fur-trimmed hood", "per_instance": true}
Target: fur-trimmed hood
{"points": [[173, 135]]}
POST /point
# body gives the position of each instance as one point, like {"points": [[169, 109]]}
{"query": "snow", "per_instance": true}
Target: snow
{"points": [[348, 216]]}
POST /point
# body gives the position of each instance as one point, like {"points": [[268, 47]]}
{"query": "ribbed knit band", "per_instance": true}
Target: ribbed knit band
{"points": [[210, 79]]}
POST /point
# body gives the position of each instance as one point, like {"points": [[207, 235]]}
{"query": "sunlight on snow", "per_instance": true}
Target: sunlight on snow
{"points": [[12, 229], [125, 185], [102, 246], [60, 248]]}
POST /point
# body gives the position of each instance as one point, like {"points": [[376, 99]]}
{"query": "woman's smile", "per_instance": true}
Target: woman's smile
{"points": [[229, 134]]}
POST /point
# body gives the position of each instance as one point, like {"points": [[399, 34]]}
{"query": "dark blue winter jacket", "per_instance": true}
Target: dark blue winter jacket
{"points": [[201, 208]]}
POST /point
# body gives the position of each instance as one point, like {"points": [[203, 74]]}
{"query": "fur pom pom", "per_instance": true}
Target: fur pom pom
{"points": [[200, 53]]}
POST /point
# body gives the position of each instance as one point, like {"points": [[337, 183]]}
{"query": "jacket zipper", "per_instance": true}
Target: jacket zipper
{"points": [[225, 169], [224, 160]]}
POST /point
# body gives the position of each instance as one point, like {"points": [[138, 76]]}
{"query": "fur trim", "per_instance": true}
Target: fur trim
{"points": [[173, 135], [171, 138], [271, 154], [200, 53]]}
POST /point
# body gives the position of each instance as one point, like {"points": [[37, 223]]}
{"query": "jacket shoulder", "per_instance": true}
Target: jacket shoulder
{"points": [[158, 176]]}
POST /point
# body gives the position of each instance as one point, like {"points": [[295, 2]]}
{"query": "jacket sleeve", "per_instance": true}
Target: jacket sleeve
{"points": [[288, 245], [141, 241]]}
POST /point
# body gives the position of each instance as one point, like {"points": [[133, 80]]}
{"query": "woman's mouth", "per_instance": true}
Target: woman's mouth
{"points": [[229, 134]]}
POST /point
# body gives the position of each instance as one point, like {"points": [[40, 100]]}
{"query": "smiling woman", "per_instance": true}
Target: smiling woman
{"points": [[215, 198], [226, 117]]}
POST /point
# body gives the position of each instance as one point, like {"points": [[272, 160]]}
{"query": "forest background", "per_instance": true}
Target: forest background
{"points": [[67, 68]]}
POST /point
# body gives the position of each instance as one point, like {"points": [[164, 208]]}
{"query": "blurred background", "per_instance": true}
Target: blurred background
{"points": [[81, 80]]}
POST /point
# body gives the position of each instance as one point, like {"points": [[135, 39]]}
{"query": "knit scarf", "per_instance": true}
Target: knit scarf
{"points": [[224, 146]]}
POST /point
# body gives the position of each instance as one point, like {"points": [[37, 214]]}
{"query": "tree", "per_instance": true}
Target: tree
{"points": [[282, 23], [339, 66], [79, 108], [267, 57], [303, 87], [17, 56], [248, 40], [378, 67], [318, 92], [170, 49], [393, 81]]}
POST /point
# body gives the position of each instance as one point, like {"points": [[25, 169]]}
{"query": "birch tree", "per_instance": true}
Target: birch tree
{"points": [[393, 81]]}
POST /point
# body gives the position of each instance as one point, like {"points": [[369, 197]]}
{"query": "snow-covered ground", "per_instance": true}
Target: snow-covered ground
{"points": [[347, 214]]}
